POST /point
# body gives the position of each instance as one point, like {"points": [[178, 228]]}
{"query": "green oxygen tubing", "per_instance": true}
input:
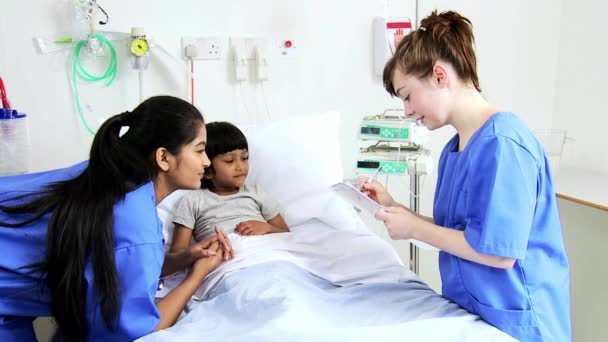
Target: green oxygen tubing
{"points": [[79, 71]]}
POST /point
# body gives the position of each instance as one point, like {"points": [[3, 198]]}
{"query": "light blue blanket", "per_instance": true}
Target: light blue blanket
{"points": [[280, 301]]}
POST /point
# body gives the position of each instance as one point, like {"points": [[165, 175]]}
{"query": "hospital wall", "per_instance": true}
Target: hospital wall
{"points": [[580, 109], [580, 96], [332, 68], [526, 53]]}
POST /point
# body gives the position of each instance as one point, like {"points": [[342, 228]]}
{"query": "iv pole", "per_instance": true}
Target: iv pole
{"points": [[414, 205], [414, 192], [414, 169]]}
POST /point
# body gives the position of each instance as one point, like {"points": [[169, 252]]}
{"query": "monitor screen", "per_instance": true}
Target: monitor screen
{"points": [[370, 130], [367, 164]]}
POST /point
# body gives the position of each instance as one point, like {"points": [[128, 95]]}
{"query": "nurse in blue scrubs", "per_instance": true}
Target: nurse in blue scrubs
{"points": [[84, 244], [495, 216]]}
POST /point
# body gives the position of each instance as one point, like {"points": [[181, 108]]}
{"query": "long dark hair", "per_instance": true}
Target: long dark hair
{"points": [[222, 137], [81, 223]]}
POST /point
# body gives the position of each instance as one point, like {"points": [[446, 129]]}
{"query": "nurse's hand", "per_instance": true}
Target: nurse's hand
{"points": [[203, 266], [202, 249], [400, 222], [377, 192]]}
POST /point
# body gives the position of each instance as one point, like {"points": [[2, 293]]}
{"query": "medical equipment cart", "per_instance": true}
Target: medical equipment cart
{"points": [[393, 145]]}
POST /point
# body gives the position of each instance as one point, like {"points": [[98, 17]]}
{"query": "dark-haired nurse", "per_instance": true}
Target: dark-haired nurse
{"points": [[495, 216], [84, 244]]}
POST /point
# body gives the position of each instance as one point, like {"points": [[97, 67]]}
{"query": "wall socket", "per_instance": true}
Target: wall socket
{"points": [[205, 47]]}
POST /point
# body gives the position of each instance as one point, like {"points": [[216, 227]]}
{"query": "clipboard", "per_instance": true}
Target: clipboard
{"points": [[356, 197]]}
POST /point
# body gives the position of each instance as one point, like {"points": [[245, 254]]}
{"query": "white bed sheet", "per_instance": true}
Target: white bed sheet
{"points": [[321, 284], [342, 257]]}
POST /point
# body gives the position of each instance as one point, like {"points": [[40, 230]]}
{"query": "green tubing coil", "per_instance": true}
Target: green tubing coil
{"points": [[79, 71]]}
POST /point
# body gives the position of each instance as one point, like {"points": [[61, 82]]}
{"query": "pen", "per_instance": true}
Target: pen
{"points": [[375, 175]]}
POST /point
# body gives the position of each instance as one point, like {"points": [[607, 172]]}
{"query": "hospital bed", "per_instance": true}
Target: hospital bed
{"points": [[329, 279]]}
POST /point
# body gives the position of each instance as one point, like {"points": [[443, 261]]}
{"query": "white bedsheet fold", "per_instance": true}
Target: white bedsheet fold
{"points": [[343, 257]]}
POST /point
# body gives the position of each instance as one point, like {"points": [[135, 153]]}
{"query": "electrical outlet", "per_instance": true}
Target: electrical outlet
{"points": [[206, 47]]}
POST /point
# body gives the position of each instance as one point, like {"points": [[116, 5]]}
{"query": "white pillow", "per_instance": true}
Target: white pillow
{"points": [[295, 160], [297, 156]]}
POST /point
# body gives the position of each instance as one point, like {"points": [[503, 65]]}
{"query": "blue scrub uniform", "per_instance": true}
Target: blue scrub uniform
{"points": [[499, 191], [138, 253]]}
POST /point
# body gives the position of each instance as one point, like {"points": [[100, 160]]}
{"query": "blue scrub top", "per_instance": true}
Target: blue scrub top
{"points": [[138, 253], [499, 191]]}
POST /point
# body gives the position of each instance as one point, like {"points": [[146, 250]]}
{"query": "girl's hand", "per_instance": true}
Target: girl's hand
{"points": [[253, 228], [224, 243], [400, 222], [204, 265], [377, 192]]}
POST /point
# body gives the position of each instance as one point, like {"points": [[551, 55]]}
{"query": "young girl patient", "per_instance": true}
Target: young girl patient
{"points": [[225, 201]]}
